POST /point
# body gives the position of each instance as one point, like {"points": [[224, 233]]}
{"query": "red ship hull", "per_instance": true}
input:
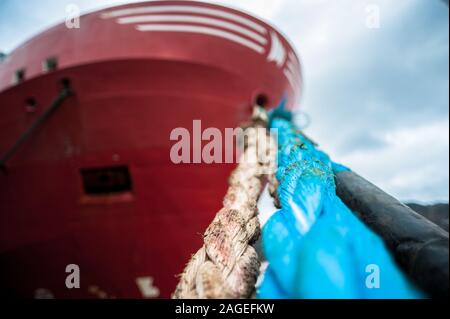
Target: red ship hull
{"points": [[131, 89]]}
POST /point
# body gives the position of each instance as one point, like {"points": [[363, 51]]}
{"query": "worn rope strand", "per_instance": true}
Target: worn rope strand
{"points": [[227, 265]]}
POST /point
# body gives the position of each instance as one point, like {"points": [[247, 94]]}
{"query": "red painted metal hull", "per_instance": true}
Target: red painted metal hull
{"points": [[131, 89]]}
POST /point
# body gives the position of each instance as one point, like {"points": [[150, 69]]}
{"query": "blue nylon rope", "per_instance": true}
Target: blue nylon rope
{"points": [[315, 246]]}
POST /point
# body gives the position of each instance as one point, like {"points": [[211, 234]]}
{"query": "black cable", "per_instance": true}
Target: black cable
{"points": [[65, 93], [419, 246]]}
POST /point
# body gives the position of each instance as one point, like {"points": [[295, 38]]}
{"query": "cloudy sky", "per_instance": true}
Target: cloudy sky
{"points": [[377, 99]]}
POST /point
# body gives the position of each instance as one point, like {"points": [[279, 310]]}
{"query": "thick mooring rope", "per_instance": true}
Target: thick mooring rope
{"points": [[227, 265], [315, 246]]}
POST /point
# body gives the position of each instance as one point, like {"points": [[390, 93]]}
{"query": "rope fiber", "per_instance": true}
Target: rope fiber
{"points": [[227, 265]]}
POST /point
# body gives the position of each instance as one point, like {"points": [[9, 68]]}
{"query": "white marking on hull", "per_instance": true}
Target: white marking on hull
{"points": [[293, 58], [201, 30], [145, 285], [195, 19], [292, 70], [186, 9], [277, 51], [290, 79], [290, 66]]}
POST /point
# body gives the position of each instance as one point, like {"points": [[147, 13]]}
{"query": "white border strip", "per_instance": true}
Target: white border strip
{"points": [[185, 9], [202, 30], [195, 19]]}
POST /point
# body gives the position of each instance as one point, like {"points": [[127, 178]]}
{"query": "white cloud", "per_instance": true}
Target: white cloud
{"points": [[412, 164]]}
